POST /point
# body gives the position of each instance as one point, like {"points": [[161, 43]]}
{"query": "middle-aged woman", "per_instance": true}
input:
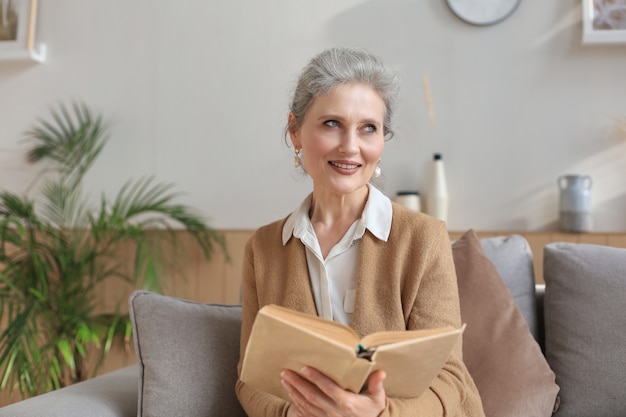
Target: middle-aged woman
{"points": [[348, 253]]}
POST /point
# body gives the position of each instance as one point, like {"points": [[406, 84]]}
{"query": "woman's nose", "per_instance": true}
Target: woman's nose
{"points": [[349, 143]]}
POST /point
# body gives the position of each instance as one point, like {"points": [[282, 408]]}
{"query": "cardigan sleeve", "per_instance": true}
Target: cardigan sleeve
{"points": [[256, 403]]}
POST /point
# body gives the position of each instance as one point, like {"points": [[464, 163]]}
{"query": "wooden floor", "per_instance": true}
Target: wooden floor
{"points": [[217, 280]]}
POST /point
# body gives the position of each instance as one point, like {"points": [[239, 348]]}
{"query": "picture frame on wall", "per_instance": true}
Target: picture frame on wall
{"points": [[604, 21], [18, 24]]}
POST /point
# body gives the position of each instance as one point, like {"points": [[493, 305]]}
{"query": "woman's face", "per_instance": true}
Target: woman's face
{"points": [[342, 138]]}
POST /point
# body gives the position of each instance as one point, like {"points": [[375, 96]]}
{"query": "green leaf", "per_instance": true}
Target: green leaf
{"points": [[8, 370], [38, 294], [65, 349]]}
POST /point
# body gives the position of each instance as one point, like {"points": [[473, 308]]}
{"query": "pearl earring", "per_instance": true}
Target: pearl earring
{"points": [[377, 171], [297, 158]]}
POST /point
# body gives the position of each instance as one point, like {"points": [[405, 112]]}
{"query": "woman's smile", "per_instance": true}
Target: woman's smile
{"points": [[345, 167]]}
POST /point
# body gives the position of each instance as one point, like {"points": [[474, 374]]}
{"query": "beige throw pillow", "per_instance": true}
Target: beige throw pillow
{"points": [[506, 363]]}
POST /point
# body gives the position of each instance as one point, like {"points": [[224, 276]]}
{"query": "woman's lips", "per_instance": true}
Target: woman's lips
{"points": [[345, 167]]}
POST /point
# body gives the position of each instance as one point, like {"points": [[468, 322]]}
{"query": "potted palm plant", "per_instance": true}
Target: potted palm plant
{"points": [[56, 248]]}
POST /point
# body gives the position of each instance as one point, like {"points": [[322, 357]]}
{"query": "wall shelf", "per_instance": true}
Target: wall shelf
{"points": [[37, 54]]}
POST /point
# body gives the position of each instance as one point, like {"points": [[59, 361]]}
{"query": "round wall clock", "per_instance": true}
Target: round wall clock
{"points": [[483, 12]]}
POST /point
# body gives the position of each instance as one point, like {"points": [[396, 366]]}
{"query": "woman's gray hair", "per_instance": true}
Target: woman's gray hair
{"points": [[338, 66]]}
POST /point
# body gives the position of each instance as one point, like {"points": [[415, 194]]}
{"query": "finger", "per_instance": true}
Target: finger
{"points": [[305, 396], [295, 396], [304, 407], [292, 411], [330, 395], [374, 386], [323, 383]]}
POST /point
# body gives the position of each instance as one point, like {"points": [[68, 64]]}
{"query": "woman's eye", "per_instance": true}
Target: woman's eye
{"points": [[370, 128], [331, 123]]}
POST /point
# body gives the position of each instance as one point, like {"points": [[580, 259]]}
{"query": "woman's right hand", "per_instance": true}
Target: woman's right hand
{"points": [[315, 395]]}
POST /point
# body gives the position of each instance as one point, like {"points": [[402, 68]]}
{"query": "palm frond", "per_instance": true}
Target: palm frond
{"points": [[72, 144], [16, 207], [151, 204], [64, 206]]}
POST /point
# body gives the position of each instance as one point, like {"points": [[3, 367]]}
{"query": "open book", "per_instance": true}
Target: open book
{"points": [[286, 339]]}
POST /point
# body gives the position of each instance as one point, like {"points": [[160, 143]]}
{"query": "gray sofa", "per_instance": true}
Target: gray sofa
{"points": [[577, 322]]}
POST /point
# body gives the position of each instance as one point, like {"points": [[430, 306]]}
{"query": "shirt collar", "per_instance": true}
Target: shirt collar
{"points": [[376, 217]]}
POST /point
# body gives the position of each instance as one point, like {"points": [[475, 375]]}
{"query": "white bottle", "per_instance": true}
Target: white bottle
{"points": [[437, 197]]}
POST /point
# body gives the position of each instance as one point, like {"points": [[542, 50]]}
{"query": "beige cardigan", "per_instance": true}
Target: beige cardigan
{"points": [[408, 282]]}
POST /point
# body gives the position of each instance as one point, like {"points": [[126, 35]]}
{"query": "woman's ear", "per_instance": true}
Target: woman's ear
{"points": [[293, 131]]}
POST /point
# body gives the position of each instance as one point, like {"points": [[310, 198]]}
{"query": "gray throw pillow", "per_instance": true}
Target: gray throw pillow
{"points": [[188, 354], [585, 323], [513, 259]]}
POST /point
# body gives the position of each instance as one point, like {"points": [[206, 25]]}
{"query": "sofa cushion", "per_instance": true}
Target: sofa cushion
{"points": [[187, 354], [585, 313], [513, 259], [111, 395], [502, 356]]}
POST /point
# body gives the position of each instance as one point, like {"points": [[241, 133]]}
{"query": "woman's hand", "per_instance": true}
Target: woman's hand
{"points": [[315, 395]]}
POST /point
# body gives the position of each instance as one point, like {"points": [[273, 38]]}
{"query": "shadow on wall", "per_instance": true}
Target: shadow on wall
{"points": [[607, 169], [404, 32], [566, 22], [377, 23]]}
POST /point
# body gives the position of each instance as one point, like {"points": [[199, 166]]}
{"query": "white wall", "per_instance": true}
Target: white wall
{"points": [[196, 93]]}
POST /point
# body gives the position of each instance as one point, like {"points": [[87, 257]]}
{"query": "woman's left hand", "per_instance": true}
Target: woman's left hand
{"points": [[315, 395]]}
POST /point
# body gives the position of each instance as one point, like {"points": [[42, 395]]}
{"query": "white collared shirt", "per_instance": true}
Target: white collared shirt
{"points": [[334, 279]]}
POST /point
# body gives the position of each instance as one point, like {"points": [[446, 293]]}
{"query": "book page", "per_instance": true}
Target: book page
{"points": [[411, 365], [323, 327], [382, 338]]}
